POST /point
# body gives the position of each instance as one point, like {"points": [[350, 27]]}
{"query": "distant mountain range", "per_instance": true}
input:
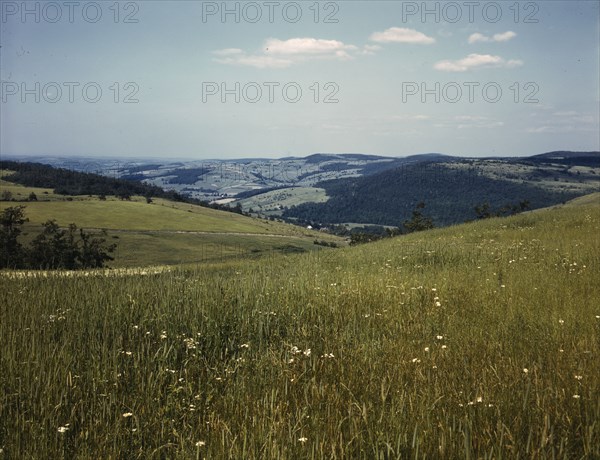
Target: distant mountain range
{"points": [[328, 188]]}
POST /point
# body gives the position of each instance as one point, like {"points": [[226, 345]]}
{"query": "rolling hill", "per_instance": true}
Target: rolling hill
{"points": [[450, 189], [355, 188], [163, 231]]}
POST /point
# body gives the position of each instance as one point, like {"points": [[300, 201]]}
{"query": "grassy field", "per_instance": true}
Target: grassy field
{"points": [[163, 232], [475, 341], [161, 215], [270, 203]]}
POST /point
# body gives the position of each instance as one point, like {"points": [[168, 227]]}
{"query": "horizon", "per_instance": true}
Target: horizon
{"points": [[165, 160], [193, 81]]}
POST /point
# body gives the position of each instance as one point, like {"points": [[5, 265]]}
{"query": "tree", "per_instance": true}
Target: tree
{"points": [[524, 205], [11, 251], [54, 248], [58, 248], [6, 195], [418, 221], [94, 253], [32, 196], [483, 211]]}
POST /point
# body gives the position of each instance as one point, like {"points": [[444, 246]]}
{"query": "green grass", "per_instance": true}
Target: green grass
{"points": [[270, 202], [135, 215], [475, 341], [163, 232], [150, 248], [20, 192]]}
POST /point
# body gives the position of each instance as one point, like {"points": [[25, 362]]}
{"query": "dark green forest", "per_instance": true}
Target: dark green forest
{"points": [[388, 198]]}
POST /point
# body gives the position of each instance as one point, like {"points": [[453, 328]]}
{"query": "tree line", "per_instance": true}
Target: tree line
{"points": [[73, 183], [420, 222], [53, 248]]}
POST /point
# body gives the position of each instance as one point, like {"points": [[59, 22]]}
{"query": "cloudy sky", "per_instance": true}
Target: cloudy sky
{"points": [[271, 79]]}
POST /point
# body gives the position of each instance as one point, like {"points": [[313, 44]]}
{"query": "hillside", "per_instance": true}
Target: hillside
{"points": [[163, 231], [316, 184], [451, 190], [473, 341]]}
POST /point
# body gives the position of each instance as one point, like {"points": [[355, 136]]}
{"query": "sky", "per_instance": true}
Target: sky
{"points": [[209, 80]]}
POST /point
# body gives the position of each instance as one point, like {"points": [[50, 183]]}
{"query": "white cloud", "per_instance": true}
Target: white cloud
{"points": [[228, 52], [406, 117], [306, 46], [260, 62], [568, 113], [277, 54], [470, 122], [370, 49], [401, 35], [565, 122], [476, 61], [481, 124], [477, 37], [503, 37], [512, 63], [469, 118], [541, 129]]}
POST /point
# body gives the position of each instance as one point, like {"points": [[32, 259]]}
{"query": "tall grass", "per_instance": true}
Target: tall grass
{"points": [[478, 341]]}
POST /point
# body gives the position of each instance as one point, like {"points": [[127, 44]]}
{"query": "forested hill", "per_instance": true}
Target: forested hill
{"points": [[450, 195], [73, 183], [67, 182]]}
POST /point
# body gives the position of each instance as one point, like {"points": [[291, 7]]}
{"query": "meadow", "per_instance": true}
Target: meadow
{"points": [[162, 232], [478, 341]]}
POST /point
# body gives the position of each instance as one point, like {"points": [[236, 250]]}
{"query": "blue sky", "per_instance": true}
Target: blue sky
{"points": [[389, 78]]}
